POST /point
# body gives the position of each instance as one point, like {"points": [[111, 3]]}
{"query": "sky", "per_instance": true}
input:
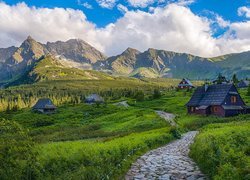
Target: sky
{"points": [[205, 28]]}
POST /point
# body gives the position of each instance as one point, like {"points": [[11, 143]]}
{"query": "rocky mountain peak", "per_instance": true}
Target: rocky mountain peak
{"points": [[131, 51], [75, 50]]}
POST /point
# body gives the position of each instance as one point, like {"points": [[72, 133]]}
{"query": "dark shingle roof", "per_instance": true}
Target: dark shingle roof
{"points": [[44, 103], [215, 95]]}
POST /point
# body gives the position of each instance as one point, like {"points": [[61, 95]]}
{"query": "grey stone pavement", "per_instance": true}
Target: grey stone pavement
{"points": [[167, 162]]}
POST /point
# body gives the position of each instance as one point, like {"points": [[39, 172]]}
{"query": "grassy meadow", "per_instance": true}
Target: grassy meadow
{"points": [[84, 141]]}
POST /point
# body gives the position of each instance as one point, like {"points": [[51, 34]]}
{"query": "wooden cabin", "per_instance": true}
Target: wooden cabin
{"points": [[243, 84], [185, 84], [218, 99], [94, 98], [44, 106]]}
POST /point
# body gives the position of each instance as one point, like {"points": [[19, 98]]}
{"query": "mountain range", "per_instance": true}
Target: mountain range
{"points": [[16, 62]]}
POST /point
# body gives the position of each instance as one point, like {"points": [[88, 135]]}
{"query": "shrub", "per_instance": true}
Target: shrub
{"points": [[221, 150], [139, 96], [157, 94], [16, 156]]}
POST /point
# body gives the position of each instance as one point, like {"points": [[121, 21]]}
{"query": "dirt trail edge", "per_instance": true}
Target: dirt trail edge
{"points": [[167, 162]]}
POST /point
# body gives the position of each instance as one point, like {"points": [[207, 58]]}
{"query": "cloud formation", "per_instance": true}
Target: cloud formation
{"points": [[173, 27], [244, 11], [140, 3], [106, 3], [85, 4]]}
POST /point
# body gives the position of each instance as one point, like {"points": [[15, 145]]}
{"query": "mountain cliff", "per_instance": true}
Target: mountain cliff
{"points": [[75, 53], [14, 62], [159, 63]]}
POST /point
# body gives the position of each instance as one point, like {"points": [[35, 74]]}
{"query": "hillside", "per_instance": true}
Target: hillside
{"points": [[170, 64], [51, 69]]}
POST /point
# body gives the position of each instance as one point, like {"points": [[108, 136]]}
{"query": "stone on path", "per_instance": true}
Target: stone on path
{"points": [[167, 162], [167, 116]]}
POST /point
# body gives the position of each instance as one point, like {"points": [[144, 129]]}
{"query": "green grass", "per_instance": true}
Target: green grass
{"points": [[90, 142], [97, 159], [222, 150], [73, 122]]}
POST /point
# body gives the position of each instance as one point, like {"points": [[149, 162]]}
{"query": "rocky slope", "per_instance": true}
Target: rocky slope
{"points": [[160, 63], [75, 50], [75, 53], [14, 62]]}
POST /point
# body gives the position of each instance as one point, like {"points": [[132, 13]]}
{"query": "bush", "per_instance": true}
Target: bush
{"points": [[221, 150], [96, 159], [16, 156], [157, 94], [139, 96], [176, 132]]}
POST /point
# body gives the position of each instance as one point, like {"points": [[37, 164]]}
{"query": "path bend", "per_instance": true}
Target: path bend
{"points": [[167, 162]]}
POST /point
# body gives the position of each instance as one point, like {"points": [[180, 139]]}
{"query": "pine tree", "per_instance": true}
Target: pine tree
{"points": [[235, 79]]}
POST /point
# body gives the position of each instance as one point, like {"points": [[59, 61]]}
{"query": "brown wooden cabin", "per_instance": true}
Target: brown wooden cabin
{"points": [[218, 99], [44, 106], [185, 84]]}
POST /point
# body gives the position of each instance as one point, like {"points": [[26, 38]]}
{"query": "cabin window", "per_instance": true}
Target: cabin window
{"points": [[192, 109], [233, 99], [215, 109]]}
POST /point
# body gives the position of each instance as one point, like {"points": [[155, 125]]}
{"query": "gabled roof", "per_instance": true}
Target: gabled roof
{"points": [[215, 95], [188, 82], [45, 103]]}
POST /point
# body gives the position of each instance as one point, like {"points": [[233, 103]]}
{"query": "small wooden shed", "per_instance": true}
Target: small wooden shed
{"points": [[44, 106], [94, 98]]}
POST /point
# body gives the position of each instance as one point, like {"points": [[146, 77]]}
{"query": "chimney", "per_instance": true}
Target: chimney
{"points": [[206, 87]]}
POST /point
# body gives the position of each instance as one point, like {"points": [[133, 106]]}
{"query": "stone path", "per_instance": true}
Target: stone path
{"points": [[168, 162], [167, 116]]}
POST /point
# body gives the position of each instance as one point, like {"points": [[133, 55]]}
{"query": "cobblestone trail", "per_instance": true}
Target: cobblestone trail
{"points": [[168, 162]]}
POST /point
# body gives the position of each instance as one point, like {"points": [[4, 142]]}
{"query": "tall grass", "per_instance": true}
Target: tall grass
{"points": [[222, 150], [97, 159]]}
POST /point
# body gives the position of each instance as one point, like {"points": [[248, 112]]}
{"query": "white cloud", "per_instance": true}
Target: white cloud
{"points": [[122, 8], [109, 4], [244, 11], [173, 27], [185, 2], [85, 4], [43, 24], [141, 3], [221, 22]]}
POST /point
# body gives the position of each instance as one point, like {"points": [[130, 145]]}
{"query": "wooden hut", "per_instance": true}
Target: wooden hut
{"points": [[185, 84], [218, 99], [44, 106], [94, 98]]}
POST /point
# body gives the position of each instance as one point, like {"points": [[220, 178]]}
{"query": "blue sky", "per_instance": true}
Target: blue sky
{"points": [[103, 16], [205, 28]]}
